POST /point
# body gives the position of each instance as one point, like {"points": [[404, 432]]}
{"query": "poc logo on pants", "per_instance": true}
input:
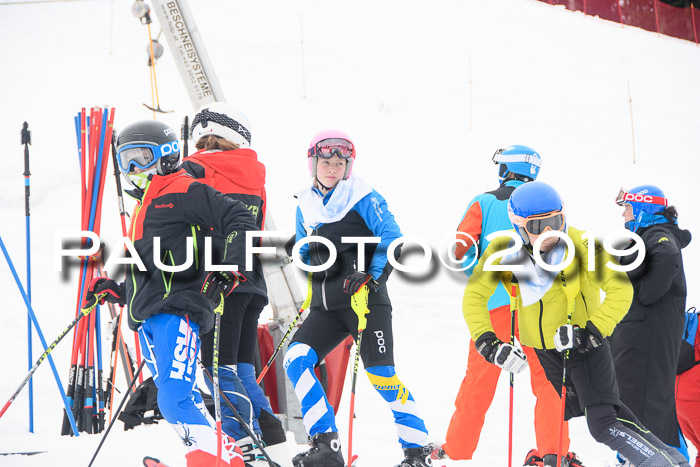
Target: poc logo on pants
{"points": [[381, 344], [184, 354]]}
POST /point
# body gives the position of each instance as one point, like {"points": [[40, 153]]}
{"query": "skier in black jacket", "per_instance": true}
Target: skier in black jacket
{"points": [[647, 341], [170, 295]]}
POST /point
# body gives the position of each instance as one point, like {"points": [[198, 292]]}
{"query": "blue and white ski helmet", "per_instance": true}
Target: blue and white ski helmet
{"points": [[531, 199], [523, 161]]}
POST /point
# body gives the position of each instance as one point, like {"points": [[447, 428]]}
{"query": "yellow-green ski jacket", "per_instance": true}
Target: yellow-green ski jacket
{"points": [[538, 321]]}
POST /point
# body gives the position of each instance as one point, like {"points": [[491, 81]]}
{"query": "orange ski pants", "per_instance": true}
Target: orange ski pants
{"points": [[476, 394]]}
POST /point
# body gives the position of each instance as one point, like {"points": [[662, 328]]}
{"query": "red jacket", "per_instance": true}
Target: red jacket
{"points": [[688, 382], [239, 175]]}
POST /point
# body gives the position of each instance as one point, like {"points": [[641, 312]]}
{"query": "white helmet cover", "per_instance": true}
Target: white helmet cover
{"points": [[224, 120]]}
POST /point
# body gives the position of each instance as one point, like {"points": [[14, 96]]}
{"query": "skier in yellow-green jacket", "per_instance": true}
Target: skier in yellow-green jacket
{"points": [[560, 313]]}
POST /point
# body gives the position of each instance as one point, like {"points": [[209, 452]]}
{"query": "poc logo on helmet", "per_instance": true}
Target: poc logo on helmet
{"points": [[170, 148], [639, 197], [168, 131]]}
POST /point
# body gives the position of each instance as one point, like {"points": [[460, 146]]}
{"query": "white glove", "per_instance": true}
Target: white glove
{"points": [[564, 337], [510, 358]]}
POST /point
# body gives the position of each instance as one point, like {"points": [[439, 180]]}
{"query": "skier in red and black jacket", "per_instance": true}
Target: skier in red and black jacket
{"points": [[222, 138], [171, 297]]}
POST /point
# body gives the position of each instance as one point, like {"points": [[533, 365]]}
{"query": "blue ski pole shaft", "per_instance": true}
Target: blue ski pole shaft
{"points": [[26, 141], [41, 335]]}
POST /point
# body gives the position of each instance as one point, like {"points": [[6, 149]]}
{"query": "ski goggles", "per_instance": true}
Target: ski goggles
{"points": [[624, 197], [540, 223], [144, 154], [500, 158], [330, 147]]}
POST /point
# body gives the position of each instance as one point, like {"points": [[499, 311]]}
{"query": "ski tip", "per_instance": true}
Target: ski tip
{"points": [[353, 462], [152, 462]]}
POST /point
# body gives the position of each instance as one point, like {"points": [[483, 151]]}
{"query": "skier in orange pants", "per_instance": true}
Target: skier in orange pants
{"points": [[487, 213], [476, 394]]}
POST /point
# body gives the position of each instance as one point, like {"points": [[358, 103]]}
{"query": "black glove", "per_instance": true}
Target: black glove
{"points": [[501, 354], [218, 282], [108, 290], [289, 245], [354, 282], [570, 336]]}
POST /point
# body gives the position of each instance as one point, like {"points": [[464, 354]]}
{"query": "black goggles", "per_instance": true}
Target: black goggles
{"points": [[537, 225]]}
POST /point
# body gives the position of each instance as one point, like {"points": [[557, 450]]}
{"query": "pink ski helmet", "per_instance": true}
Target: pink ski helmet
{"points": [[328, 143]]}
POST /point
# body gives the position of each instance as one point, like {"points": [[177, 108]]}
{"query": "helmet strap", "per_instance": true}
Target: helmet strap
{"points": [[323, 187], [523, 178]]}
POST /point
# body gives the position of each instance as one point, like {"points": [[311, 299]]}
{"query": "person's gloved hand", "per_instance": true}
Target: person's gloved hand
{"points": [[218, 282], [353, 282], [108, 290], [500, 353], [570, 336]]}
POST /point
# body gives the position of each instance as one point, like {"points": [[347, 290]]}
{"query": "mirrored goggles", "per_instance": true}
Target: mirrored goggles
{"points": [[539, 224], [328, 148], [624, 197], [144, 154]]}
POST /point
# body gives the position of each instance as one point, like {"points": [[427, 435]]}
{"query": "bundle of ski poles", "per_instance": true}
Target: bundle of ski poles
{"points": [[85, 391]]}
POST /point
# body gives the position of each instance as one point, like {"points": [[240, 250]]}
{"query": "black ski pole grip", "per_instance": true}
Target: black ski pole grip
{"points": [[26, 141]]}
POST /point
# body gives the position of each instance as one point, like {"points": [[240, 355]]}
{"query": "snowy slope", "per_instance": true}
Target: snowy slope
{"points": [[427, 93]]}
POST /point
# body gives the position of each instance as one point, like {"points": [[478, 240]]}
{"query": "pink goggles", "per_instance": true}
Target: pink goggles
{"points": [[327, 148]]}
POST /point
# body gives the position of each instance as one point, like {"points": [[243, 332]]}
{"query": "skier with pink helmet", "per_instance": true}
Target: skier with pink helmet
{"points": [[339, 204]]}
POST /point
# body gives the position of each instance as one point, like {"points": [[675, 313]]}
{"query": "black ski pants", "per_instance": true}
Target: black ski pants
{"points": [[239, 330]]}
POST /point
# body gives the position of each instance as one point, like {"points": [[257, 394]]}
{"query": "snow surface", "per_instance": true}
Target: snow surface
{"points": [[428, 93]]}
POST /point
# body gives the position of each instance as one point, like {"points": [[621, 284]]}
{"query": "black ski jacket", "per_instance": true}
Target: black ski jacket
{"points": [[646, 342], [370, 217], [173, 208]]}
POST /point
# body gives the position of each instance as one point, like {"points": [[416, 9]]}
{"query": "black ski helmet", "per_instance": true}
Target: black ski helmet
{"points": [[147, 144]]}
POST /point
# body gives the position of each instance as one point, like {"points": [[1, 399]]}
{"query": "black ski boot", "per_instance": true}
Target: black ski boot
{"points": [[324, 452], [417, 457], [571, 460], [550, 460]]}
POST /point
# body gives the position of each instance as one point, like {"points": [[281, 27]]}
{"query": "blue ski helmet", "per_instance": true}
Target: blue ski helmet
{"points": [[535, 199], [522, 161], [647, 202]]}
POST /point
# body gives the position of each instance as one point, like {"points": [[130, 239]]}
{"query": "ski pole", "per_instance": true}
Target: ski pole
{"points": [[570, 306], [218, 311], [41, 338], [513, 309], [238, 416], [359, 305], [84, 312], [121, 404], [185, 136], [304, 307], [122, 214], [26, 141]]}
